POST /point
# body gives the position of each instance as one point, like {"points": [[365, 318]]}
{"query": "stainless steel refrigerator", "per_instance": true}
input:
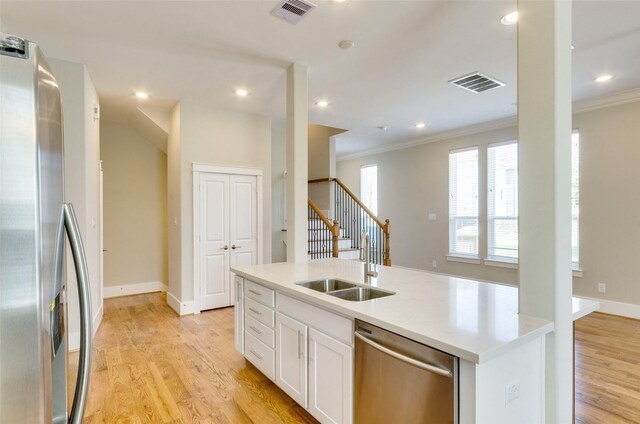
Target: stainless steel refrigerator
{"points": [[33, 222]]}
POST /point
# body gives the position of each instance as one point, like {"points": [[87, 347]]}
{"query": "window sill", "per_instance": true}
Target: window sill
{"points": [[513, 264], [464, 259], [500, 262]]}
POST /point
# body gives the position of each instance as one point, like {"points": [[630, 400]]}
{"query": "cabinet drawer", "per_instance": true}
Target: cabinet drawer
{"points": [[260, 331], [260, 312], [260, 293], [260, 355]]}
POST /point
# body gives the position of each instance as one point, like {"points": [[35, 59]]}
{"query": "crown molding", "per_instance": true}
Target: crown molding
{"points": [[441, 136], [581, 106], [608, 100]]}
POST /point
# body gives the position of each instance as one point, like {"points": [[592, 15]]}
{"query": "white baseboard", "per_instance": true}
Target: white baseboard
{"points": [[130, 289], [622, 309], [181, 308]]}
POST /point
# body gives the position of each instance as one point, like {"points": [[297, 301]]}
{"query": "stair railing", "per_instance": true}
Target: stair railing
{"points": [[355, 218], [323, 234]]}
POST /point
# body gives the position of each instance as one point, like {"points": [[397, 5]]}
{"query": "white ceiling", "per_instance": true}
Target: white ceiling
{"points": [[396, 75]]}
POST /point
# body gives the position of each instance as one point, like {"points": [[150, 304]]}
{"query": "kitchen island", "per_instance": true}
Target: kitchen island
{"points": [[477, 322]]}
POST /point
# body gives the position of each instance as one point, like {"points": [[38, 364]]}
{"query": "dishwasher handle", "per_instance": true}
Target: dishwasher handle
{"points": [[427, 367]]}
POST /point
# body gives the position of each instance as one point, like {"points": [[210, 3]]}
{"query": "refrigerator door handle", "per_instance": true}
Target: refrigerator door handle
{"points": [[82, 275]]}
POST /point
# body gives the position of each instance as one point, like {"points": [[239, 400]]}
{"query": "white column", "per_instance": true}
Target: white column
{"points": [[297, 167], [544, 135]]}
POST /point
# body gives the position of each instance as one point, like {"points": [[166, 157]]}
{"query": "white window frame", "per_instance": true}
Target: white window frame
{"points": [[576, 263], [362, 195]]}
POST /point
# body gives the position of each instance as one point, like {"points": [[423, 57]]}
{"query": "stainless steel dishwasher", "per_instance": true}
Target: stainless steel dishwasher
{"points": [[398, 380]]}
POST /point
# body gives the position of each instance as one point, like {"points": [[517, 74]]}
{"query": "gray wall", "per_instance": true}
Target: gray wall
{"points": [[413, 182], [82, 180], [135, 207]]}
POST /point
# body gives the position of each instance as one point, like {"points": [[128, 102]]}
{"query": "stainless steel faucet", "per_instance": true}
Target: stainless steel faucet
{"points": [[365, 252]]}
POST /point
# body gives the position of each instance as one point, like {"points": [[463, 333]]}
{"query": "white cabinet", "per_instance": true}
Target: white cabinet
{"points": [[330, 379], [238, 314], [291, 357], [312, 357]]}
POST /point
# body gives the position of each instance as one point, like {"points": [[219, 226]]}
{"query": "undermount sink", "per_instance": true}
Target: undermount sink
{"points": [[360, 294], [326, 285]]}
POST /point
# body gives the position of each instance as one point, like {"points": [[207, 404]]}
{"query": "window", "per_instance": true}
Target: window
{"points": [[575, 198], [502, 201], [463, 202], [369, 187]]}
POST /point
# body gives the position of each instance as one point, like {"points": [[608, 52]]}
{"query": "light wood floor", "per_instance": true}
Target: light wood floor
{"points": [[150, 366], [607, 370]]}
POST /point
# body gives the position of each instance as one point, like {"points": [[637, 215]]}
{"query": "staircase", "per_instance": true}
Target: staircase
{"points": [[340, 238], [321, 237]]}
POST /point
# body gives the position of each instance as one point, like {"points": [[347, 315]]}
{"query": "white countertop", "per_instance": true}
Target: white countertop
{"points": [[473, 320]]}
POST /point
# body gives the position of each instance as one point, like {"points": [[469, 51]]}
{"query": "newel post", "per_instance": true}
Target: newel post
{"points": [[335, 234], [387, 244]]}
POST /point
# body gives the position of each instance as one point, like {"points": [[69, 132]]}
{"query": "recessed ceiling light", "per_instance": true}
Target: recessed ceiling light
{"points": [[241, 92], [142, 95], [338, 1], [346, 44], [420, 125], [510, 19], [573, 47], [322, 103], [603, 78]]}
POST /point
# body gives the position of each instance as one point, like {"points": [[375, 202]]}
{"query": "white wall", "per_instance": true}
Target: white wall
{"points": [[414, 181], [278, 192], [82, 179], [135, 208], [173, 204], [212, 136]]}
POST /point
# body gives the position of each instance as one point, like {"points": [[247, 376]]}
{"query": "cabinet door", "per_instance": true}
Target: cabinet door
{"points": [[291, 358], [238, 314], [330, 379]]}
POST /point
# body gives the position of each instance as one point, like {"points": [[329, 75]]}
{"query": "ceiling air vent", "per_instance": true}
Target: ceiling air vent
{"points": [[477, 82], [293, 10]]}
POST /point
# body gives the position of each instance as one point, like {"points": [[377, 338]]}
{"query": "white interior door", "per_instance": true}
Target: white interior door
{"points": [[244, 221], [228, 234], [214, 241]]}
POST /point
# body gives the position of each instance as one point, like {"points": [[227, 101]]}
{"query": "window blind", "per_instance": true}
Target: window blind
{"points": [[463, 202], [502, 200]]}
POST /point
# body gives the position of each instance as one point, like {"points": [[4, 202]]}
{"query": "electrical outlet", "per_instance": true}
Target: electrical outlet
{"points": [[434, 264], [432, 216], [512, 392], [602, 287]]}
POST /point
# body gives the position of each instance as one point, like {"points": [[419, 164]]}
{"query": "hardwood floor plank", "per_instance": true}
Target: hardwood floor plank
{"points": [[607, 370], [151, 366]]}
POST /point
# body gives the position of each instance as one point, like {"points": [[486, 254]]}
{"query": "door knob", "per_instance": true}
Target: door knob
{"points": [[225, 247], [234, 247]]}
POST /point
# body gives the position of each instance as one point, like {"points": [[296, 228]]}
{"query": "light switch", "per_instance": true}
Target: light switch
{"points": [[432, 216]]}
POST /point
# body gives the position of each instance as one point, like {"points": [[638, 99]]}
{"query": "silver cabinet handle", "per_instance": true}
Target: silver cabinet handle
{"points": [[257, 355], [255, 311], [225, 247], [255, 329], [255, 292], [84, 297], [427, 367], [234, 247]]}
